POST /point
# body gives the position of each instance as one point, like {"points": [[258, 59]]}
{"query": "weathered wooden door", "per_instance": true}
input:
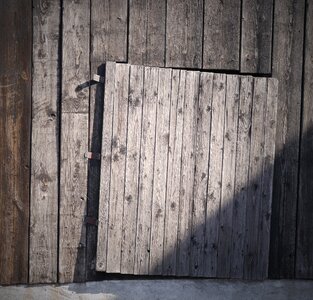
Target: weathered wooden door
{"points": [[186, 173]]}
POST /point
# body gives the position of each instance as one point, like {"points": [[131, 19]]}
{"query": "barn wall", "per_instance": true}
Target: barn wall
{"points": [[71, 42]]}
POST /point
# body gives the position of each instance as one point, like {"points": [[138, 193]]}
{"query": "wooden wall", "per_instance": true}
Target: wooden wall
{"points": [[71, 42]]}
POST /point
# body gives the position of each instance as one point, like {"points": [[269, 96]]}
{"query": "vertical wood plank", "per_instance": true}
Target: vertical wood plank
{"points": [[118, 160], [228, 177], [174, 171], [304, 259], [146, 171], [201, 173], [241, 177], [147, 32], [132, 169], [287, 68], [184, 33], [256, 38], [105, 176], [15, 118], [215, 175], [160, 172], [74, 141], [187, 173], [221, 42], [255, 180], [45, 146]]}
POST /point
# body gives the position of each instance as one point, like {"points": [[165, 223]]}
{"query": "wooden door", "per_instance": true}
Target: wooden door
{"points": [[186, 173]]}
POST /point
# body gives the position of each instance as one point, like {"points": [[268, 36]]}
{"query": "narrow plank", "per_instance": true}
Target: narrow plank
{"points": [[215, 175], [304, 259], [74, 141], [174, 171], [183, 46], [267, 177], [106, 150], [44, 168], [146, 171], [221, 41], [146, 32], [132, 169], [118, 161], [242, 177], [228, 177], [255, 180], [201, 173], [287, 68], [256, 36], [108, 41], [187, 173], [15, 120]]}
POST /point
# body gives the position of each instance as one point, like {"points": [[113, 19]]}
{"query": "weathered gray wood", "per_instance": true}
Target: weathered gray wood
{"points": [[255, 180], [174, 171], [74, 141], [132, 169], [241, 177], [184, 33], [187, 173], [267, 177], [287, 68], [147, 32], [228, 177], [43, 238], [146, 171], [215, 175], [118, 161], [160, 172], [256, 36], [201, 173], [304, 259], [104, 195], [221, 42]]}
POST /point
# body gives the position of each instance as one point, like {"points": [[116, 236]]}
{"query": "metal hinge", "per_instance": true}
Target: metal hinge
{"points": [[98, 78], [92, 155]]}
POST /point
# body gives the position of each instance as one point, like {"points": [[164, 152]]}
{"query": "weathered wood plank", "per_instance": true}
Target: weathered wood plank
{"points": [[174, 171], [228, 177], [187, 173], [287, 68], [43, 238], [147, 32], [255, 180], [74, 140], [242, 177], [104, 195], [201, 173], [184, 33], [15, 118], [256, 36], [132, 169], [221, 42], [118, 161], [146, 171], [304, 259], [160, 172], [215, 175]]}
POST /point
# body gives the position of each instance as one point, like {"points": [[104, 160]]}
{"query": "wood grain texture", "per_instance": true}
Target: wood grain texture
{"points": [[74, 141], [304, 259], [147, 32], [184, 33], [256, 36], [287, 68], [160, 172], [221, 41], [45, 130], [15, 120], [174, 171]]}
